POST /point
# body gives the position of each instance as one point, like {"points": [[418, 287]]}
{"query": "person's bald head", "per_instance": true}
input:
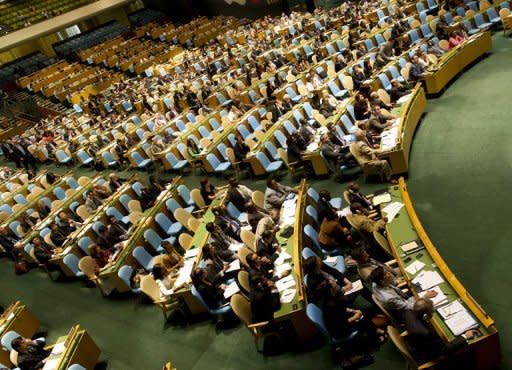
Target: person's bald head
{"points": [[360, 134], [423, 308]]}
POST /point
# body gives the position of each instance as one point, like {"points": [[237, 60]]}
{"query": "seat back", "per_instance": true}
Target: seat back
{"points": [[248, 238], [87, 266], [142, 257], [314, 313], [7, 339], [152, 238], [124, 273], [163, 221], [242, 309], [150, 288], [185, 240], [71, 262], [196, 196]]}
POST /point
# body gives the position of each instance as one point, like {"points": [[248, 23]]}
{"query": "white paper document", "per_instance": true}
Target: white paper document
{"points": [[184, 274], [439, 299], [58, 348], [392, 209], [450, 309], [344, 212], [381, 198], [403, 99], [235, 247], [278, 270], [283, 257], [288, 295], [388, 138], [415, 267], [231, 290], [191, 253], [428, 279], [331, 260], [356, 286], [51, 364], [234, 266], [285, 283], [460, 322]]}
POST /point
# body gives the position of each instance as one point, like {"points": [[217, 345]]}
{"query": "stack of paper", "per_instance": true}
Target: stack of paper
{"points": [[184, 274], [356, 286], [231, 290], [439, 299], [403, 99], [191, 253], [388, 139], [58, 348], [235, 246], [457, 318], [428, 279], [312, 147], [344, 212], [51, 364], [287, 295], [283, 256], [285, 283], [414, 267], [392, 209], [280, 269], [288, 212], [410, 247], [234, 266], [381, 198]]}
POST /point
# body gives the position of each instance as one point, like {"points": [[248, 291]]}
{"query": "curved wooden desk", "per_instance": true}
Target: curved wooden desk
{"points": [[454, 61], [484, 350]]}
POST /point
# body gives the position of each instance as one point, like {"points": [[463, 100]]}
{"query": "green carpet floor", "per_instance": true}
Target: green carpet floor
{"points": [[459, 182]]}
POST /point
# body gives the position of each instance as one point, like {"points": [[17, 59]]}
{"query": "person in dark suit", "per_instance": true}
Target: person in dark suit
{"points": [[116, 231], [231, 226], [358, 76], [417, 70], [398, 90], [7, 239], [267, 246], [318, 272], [264, 298], [115, 182], [355, 196], [323, 206], [423, 342], [42, 209], [57, 235], [341, 320], [42, 251], [31, 353], [331, 154], [211, 291], [294, 151], [241, 148]]}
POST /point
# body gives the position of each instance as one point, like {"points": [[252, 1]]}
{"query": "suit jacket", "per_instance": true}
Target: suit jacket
{"points": [[423, 343], [364, 151], [354, 197], [264, 302], [315, 279], [416, 71], [275, 198], [293, 152], [393, 300]]}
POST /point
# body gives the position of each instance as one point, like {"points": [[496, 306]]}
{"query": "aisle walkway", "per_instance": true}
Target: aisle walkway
{"points": [[459, 181]]}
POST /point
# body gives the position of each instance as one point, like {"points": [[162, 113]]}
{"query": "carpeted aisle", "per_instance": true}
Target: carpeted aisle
{"points": [[459, 182]]}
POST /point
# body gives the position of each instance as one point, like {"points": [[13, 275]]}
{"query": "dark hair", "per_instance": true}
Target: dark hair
{"points": [[310, 264], [324, 194], [210, 227], [158, 272], [377, 275], [16, 344], [269, 180], [102, 229], [357, 253], [265, 234]]}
